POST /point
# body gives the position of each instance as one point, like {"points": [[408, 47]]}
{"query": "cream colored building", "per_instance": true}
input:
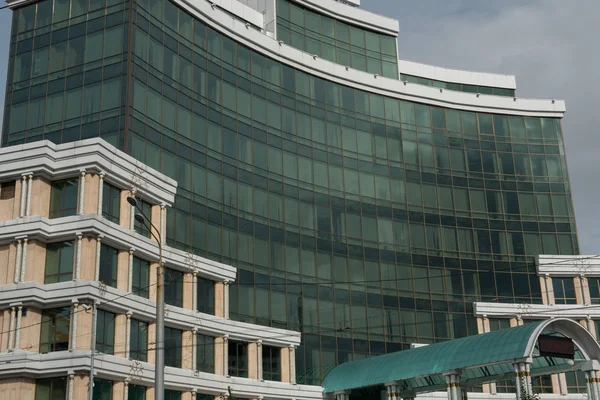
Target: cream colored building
{"points": [[68, 241]]}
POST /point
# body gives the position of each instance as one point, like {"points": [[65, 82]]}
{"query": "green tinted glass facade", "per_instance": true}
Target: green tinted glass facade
{"points": [[365, 222], [336, 41]]}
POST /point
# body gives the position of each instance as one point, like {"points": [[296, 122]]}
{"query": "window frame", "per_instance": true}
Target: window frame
{"points": [[51, 316], [139, 288], [205, 353], [105, 338], [61, 186], [173, 341], [205, 295], [61, 263], [104, 249], [109, 194], [271, 361], [237, 349], [139, 353]]}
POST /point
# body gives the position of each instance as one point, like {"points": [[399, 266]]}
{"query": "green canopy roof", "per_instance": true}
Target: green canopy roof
{"points": [[495, 347]]}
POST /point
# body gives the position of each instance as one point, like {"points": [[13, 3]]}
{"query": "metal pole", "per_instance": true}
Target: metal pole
{"points": [[159, 378], [93, 347]]}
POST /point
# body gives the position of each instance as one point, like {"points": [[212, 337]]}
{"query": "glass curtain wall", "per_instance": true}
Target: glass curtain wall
{"points": [[365, 222]]}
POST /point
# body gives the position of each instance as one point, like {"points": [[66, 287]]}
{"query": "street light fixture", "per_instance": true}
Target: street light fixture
{"points": [[159, 366]]}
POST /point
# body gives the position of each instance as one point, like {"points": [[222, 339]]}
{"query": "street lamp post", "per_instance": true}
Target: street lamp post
{"points": [[159, 365]]}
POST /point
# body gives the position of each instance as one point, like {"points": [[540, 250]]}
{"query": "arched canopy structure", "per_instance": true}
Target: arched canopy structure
{"points": [[471, 360]]}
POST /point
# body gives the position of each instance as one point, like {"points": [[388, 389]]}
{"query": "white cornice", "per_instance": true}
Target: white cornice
{"points": [[56, 229], [457, 75], [241, 10], [535, 311], [93, 155], [37, 295], [353, 15], [28, 364], [365, 81], [554, 265]]}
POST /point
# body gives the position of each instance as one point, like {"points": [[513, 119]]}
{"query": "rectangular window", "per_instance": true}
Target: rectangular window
{"points": [[59, 262], [111, 203], [54, 332], [108, 265], [173, 347], [51, 389], [564, 290], [238, 359], [105, 332], [206, 296], [145, 208], [63, 198], [136, 392], [205, 353], [140, 277], [172, 395], [271, 363], [138, 347], [7, 190], [102, 389], [173, 287]]}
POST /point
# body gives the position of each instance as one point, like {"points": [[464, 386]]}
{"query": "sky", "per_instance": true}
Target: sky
{"points": [[550, 45]]}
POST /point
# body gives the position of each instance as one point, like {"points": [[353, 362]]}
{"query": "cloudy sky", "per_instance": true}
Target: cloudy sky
{"points": [[550, 45]]}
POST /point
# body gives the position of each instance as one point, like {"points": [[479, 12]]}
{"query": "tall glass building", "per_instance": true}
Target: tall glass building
{"points": [[366, 202]]}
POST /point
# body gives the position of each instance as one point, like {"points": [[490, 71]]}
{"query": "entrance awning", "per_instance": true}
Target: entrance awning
{"points": [[477, 359]]}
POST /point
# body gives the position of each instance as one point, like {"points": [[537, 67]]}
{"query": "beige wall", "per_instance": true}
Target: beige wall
{"points": [[118, 390], [88, 258], [220, 369], [219, 299], [36, 261], [152, 279], [125, 211], [123, 271], [8, 259], [285, 364], [188, 290], [120, 335], [30, 330], [84, 329], [4, 329], [253, 360], [80, 387], [18, 388], [187, 350], [91, 191], [40, 197], [151, 339], [155, 216]]}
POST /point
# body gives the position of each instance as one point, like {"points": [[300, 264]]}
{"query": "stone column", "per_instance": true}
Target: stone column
{"points": [[292, 365], [126, 389], [453, 385], [195, 290], [259, 359], [393, 391], [18, 329], [29, 184], [522, 378], [23, 261], [100, 192], [81, 190], [98, 249], [77, 274], [226, 299], [71, 385], [18, 261], [226, 355], [73, 333], [128, 334], [344, 395], [195, 348], [163, 222], [11, 329], [130, 279], [23, 196]]}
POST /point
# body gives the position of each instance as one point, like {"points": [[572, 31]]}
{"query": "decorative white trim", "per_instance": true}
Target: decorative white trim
{"points": [[29, 185], [163, 222], [292, 365], [259, 359], [535, 311], [119, 368], [195, 290], [24, 261], [582, 265], [37, 295], [125, 390], [81, 190], [128, 334], [226, 355], [71, 386], [242, 11], [44, 229], [53, 161], [456, 75]]}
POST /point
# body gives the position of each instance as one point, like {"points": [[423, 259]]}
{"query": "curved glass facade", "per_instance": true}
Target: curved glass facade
{"points": [[365, 222]]}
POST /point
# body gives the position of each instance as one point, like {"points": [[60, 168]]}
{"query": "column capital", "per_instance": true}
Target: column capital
{"points": [[132, 250], [102, 174], [163, 206], [129, 314], [82, 171], [79, 235], [21, 237]]}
